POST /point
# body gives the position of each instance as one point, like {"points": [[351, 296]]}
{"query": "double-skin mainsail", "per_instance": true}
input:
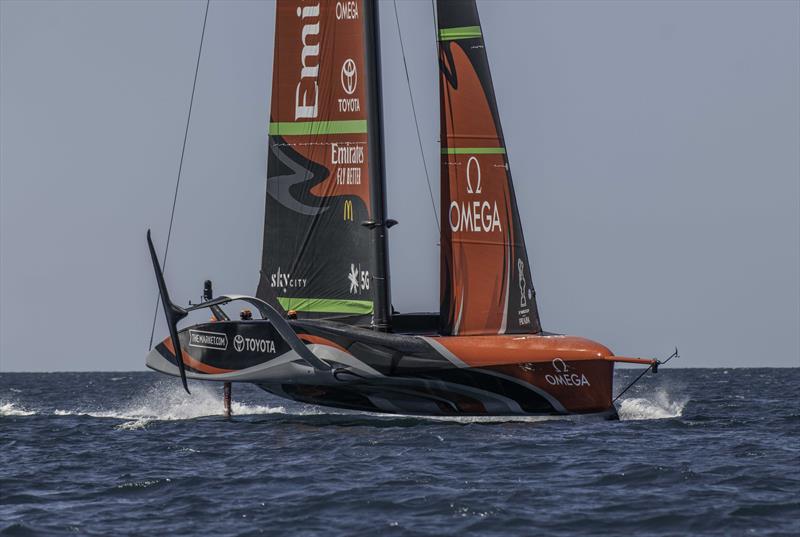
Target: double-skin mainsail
{"points": [[324, 238], [324, 248]]}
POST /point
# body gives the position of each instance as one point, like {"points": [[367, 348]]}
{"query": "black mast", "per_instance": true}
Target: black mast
{"points": [[379, 225]]}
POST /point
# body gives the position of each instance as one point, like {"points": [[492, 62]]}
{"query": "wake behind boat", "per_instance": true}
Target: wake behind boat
{"points": [[327, 333]]}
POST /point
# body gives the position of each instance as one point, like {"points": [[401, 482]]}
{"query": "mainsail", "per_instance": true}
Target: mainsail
{"points": [[318, 258], [486, 284]]}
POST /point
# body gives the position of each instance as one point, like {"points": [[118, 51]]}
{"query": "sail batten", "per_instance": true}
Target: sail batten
{"points": [[486, 284], [312, 128], [321, 305], [462, 32], [473, 151]]}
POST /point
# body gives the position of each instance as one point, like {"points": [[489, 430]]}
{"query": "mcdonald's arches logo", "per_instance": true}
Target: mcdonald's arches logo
{"points": [[348, 211]]}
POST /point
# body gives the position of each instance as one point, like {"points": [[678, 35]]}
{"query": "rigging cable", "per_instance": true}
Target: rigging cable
{"points": [[632, 383], [180, 167], [414, 111], [654, 366]]}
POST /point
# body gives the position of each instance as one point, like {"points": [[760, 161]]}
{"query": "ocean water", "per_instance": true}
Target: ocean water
{"points": [[696, 452]]}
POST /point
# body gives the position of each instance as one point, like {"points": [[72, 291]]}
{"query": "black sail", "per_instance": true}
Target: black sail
{"points": [[317, 258]]}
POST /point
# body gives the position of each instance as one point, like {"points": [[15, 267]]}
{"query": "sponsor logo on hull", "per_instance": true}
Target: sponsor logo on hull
{"points": [[563, 377], [208, 340], [241, 344]]}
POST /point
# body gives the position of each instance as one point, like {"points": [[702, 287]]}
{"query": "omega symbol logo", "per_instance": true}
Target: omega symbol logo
{"points": [[469, 176], [238, 343], [558, 364], [349, 76]]}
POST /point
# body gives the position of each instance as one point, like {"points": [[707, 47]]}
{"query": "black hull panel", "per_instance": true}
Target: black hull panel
{"points": [[402, 403]]}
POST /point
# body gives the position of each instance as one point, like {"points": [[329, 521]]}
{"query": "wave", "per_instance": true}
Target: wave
{"points": [[657, 406], [11, 409]]}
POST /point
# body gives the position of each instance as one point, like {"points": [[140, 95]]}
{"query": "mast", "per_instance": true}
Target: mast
{"points": [[378, 225]]}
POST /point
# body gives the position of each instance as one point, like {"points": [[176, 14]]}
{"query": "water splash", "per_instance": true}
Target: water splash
{"points": [[164, 401], [657, 406], [11, 409]]}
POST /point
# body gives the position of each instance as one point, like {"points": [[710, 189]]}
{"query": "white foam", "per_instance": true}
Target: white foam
{"points": [[657, 406], [11, 409], [166, 401], [133, 425], [482, 419]]}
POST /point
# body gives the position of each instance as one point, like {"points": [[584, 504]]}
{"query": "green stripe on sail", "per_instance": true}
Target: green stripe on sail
{"points": [[326, 305], [312, 128], [463, 32], [473, 151]]}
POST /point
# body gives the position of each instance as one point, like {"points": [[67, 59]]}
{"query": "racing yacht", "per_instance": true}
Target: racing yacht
{"points": [[326, 332]]}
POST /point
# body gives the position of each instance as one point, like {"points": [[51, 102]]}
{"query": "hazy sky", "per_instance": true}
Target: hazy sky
{"points": [[653, 146]]}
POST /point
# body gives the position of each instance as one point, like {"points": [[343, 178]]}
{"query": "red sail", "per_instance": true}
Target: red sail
{"points": [[486, 279], [317, 257]]}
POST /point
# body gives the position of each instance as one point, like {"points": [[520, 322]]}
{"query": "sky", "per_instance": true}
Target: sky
{"points": [[654, 148]]}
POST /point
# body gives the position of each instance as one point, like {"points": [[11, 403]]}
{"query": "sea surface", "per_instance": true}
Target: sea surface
{"points": [[696, 452]]}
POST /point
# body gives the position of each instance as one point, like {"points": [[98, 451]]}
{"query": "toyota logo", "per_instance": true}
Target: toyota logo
{"points": [[349, 76], [238, 343]]}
